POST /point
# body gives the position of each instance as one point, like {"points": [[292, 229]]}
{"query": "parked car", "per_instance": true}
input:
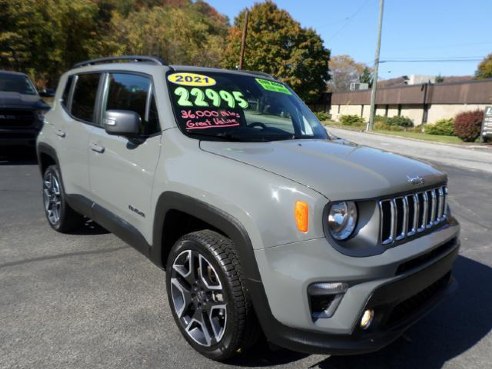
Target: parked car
{"points": [[21, 110], [263, 223]]}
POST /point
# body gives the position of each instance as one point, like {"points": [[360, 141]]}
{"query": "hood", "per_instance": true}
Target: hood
{"points": [[16, 100], [338, 170]]}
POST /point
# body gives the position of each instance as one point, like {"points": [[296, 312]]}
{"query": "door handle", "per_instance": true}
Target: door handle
{"points": [[60, 133], [97, 148]]}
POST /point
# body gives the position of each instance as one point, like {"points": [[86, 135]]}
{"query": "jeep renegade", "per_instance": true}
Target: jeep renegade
{"points": [[262, 221]]}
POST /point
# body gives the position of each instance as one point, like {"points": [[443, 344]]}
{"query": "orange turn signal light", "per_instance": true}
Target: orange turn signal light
{"points": [[301, 212]]}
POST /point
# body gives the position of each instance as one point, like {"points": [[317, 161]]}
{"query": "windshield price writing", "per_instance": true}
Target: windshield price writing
{"points": [[210, 97], [205, 118]]}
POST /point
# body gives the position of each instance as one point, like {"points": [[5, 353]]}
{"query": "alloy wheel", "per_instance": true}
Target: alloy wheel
{"points": [[52, 197], [198, 298]]}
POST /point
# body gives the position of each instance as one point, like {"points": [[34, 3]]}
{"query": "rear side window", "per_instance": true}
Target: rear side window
{"points": [[134, 92], [84, 97]]}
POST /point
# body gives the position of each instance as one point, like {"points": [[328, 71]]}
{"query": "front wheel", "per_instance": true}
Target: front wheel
{"points": [[207, 296], [60, 215]]}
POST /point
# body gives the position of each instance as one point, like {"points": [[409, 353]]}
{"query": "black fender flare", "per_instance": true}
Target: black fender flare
{"points": [[207, 213], [43, 148]]}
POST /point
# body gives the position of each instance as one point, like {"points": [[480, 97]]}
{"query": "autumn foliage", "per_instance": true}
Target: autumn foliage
{"points": [[467, 125], [45, 38], [484, 69], [278, 45]]}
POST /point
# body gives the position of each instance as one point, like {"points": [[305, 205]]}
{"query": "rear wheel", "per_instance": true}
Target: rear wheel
{"points": [[60, 215], [207, 296]]}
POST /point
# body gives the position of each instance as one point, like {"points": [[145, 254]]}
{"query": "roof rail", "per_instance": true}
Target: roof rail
{"points": [[127, 58], [263, 74]]}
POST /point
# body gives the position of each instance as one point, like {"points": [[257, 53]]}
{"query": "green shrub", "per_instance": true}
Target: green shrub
{"points": [[443, 127], [381, 126], [397, 128], [380, 118], [322, 115], [467, 125], [351, 120], [417, 129], [400, 121]]}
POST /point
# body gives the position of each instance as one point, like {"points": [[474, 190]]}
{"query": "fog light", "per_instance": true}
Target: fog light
{"points": [[367, 318]]}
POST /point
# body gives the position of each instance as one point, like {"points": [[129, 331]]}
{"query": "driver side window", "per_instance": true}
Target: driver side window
{"points": [[134, 92]]}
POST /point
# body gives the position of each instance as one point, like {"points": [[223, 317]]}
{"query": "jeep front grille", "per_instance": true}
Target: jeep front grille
{"points": [[407, 215]]}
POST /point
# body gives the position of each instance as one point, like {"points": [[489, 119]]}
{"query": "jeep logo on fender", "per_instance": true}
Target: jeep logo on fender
{"points": [[136, 211]]}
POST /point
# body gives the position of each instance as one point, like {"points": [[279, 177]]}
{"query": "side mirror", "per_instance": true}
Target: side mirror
{"points": [[121, 122]]}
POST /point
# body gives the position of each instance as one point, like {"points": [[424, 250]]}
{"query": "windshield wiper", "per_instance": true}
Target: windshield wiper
{"points": [[223, 136], [235, 137], [282, 137]]}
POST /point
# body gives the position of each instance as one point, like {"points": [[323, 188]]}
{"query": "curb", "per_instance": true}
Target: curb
{"points": [[471, 146]]}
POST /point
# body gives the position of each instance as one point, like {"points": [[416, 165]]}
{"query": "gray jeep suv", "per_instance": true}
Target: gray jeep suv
{"points": [[262, 221]]}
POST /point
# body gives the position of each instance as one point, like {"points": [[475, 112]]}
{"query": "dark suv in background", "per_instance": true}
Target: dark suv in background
{"points": [[21, 109]]}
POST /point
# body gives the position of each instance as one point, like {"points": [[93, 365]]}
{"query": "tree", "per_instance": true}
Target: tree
{"points": [[191, 33], [278, 45], [484, 69], [125, 7], [366, 76], [345, 70], [45, 38]]}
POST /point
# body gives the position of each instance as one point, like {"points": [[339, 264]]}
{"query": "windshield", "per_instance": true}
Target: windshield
{"points": [[232, 107], [16, 83]]}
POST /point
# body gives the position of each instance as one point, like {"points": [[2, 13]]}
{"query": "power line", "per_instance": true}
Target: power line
{"points": [[348, 20], [438, 47], [451, 60], [417, 59]]}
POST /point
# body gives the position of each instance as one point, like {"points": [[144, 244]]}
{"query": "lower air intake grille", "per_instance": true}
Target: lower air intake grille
{"points": [[408, 307]]}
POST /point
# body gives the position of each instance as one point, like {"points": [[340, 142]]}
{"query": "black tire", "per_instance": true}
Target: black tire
{"points": [[194, 297], [61, 217]]}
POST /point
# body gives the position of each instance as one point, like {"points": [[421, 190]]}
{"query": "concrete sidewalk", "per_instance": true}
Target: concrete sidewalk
{"points": [[467, 157]]}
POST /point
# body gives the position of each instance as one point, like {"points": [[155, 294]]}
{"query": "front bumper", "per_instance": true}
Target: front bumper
{"points": [[401, 285]]}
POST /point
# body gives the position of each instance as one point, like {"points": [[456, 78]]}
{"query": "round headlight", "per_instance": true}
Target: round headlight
{"points": [[342, 219]]}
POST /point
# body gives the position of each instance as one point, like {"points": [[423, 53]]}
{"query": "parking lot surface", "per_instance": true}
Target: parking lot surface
{"points": [[88, 300]]}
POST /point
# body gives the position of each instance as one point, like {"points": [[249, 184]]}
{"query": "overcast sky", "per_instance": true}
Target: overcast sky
{"points": [[447, 30]]}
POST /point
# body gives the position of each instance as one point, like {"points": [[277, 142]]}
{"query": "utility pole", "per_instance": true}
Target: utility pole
{"points": [[370, 124], [243, 39]]}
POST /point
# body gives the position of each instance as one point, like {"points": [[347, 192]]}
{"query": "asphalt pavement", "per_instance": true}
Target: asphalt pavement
{"points": [[88, 300]]}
